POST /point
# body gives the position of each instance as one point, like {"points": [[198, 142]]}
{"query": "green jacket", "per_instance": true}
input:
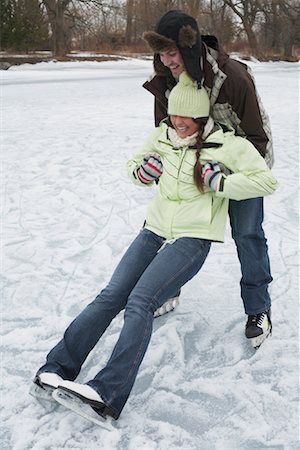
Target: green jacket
{"points": [[178, 209]]}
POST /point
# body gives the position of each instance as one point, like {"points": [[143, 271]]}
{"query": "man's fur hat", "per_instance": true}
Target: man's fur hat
{"points": [[177, 29]]}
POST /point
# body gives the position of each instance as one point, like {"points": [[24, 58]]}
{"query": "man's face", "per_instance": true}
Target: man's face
{"points": [[184, 126], [173, 60]]}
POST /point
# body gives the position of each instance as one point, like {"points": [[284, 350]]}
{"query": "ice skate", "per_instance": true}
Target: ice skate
{"points": [[84, 401], [168, 306], [43, 386], [258, 328]]}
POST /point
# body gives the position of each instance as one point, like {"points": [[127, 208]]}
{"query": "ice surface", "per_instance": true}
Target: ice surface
{"points": [[69, 213]]}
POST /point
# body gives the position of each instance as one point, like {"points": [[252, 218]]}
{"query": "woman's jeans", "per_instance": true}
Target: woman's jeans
{"points": [[246, 218], [148, 274]]}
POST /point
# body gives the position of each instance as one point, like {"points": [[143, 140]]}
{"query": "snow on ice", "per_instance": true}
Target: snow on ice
{"points": [[69, 212]]}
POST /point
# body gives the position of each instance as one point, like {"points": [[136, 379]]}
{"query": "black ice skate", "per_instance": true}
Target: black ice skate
{"points": [[258, 328]]}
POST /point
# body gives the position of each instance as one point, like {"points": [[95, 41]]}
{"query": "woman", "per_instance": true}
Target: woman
{"points": [[188, 211]]}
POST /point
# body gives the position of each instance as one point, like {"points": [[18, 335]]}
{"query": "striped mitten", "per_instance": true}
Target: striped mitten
{"points": [[150, 169], [212, 175]]}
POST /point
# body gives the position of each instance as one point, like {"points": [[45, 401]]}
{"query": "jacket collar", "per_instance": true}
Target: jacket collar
{"points": [[215, 138]]}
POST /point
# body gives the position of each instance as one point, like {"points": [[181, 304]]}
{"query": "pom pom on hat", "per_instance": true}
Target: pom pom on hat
{"points": [[187, 36], [185, 80], [187, 100]]}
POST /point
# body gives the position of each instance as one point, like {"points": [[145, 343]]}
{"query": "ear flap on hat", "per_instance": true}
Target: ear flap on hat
{"points": [[187, 36], [158, 42]]}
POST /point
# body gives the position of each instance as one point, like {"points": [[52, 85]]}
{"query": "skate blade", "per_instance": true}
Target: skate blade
{"points": [[257, 341], [168, 306], [41, 394], [73, 403]]}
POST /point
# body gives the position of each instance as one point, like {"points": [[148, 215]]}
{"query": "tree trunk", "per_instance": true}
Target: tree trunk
{"points": [[128, 32], [247, 10], [194, 7], [56, 11], [288, 48], [252, 40]]}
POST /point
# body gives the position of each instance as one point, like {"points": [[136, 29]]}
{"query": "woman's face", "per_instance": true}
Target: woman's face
{"points": [[184, 126]]}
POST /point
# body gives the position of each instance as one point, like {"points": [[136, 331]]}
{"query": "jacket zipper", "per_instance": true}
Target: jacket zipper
{"points": [[179, 168]]}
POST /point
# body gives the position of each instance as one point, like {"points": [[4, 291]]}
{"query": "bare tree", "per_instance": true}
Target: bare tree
{"points": [[61, 15], [279, 29], [92, 24], [291, 19], [193, 7], [56, 14], [221, 22], [247, 11], [129, 21]]}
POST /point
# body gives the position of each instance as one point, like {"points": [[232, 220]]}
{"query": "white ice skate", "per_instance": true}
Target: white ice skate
{"points": [[168, 306], [84, 401], [43, 386]]}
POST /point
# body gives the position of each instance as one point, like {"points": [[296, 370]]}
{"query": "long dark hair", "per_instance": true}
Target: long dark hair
{"points": [[198, 166]]}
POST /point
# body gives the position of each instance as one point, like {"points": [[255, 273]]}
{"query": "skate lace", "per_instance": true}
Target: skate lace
{"points": [[261, 318], [256, 319]]}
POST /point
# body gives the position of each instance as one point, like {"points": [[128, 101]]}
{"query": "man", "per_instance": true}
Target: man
{"points": [[177, 46]]}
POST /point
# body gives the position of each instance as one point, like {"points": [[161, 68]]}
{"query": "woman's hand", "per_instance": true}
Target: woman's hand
{"points": [[150, 169], [212, 173]]}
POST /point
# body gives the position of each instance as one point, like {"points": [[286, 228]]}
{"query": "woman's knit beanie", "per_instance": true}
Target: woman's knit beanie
{"points": [[176, 28], [187, 100]]}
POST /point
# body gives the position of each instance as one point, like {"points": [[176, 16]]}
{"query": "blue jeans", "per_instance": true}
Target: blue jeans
{"points": [[146, 277], [246, 219]]}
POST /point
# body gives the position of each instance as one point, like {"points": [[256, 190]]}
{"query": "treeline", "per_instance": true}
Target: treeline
{"points": [[265, 28]]}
